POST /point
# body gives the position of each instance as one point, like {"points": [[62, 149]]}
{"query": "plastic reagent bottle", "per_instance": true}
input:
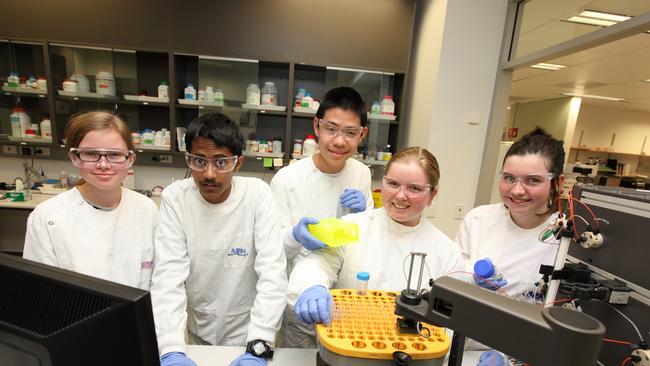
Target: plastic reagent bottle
{"points": [[362, 283], [253, 94], [190, 92], [387, 106], [376, 108], [484, 268], [218, 96], [309, 146], [269, 93], [163, 90]]}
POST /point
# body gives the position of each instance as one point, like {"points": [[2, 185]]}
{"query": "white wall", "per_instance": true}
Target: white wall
{"points": [[453, 69]]}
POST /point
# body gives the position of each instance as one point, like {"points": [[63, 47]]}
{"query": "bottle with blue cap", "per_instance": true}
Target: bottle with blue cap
{"points": [[487, 275], [362, 283]]}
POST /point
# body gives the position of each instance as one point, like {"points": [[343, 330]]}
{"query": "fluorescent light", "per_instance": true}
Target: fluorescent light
{"points": [[591, 96], [604, 16], [598, 18], [546, 66], [590, 21]]}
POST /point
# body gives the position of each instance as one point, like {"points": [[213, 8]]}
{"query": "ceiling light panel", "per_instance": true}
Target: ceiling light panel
{"points": [[590, 21], [547, 66], [604, 16], [592, 96]]}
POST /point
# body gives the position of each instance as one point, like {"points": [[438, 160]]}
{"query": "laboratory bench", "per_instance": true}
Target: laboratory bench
{"points": [[222, 355]]}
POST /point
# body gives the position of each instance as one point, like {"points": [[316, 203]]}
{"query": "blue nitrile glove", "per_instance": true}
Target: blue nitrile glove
{"points": [[353, 199], [303, 236], [175, 359], [314, 305], [492, 358], [248, 359], [486, 275]]}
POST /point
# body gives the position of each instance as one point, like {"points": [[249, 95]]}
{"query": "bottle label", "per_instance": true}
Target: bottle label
{"points": [[253, 98]]}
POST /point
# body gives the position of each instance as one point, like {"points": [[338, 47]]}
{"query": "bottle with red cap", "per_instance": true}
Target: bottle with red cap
{"points": [[309, 146]]}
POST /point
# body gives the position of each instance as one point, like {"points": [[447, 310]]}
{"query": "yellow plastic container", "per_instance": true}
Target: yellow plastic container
{"points": [[364, 326], [335, 232], [376, 199]]}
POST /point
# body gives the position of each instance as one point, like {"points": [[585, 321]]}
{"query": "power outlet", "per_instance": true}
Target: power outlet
{"points": [[459, 212], [27, 151], [9, 149], [166, 159], [42, 151]]}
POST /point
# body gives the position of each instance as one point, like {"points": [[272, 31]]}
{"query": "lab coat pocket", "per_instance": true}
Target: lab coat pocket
{"points": [[238, 250], [235, 327]]}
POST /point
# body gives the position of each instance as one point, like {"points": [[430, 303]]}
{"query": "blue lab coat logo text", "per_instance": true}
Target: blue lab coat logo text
{"points": [[238, 252]]}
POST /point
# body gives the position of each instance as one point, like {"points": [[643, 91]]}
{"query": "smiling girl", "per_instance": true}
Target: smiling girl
{"points": [[530, 183], [98, 228], [387, 236]]}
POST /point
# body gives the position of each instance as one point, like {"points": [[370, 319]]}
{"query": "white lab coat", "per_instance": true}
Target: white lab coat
{"points": [[489, 232], [301, 189], [223, 262], [383, 250], [117, 245]]}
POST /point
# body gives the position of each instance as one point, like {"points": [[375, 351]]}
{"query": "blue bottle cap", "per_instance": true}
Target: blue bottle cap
{"points": [[484, 268], [363, 276]]}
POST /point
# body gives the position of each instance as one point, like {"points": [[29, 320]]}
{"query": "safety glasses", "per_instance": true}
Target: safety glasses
{"points": [[84, 156], [221, 165]]}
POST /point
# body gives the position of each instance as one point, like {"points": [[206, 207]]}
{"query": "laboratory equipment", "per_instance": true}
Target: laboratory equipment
{"points": [[611, 280], [363, 332], [56, 317], [523, 327], [335, 232]]}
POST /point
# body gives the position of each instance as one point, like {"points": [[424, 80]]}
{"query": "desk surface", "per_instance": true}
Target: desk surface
{"points": [[27, 205], [222, 356]]}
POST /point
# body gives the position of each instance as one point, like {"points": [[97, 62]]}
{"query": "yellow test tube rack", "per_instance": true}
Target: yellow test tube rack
{"points": [[364, 326]]}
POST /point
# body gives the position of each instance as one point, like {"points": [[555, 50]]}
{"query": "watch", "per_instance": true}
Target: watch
{"points": [[259, 348]]}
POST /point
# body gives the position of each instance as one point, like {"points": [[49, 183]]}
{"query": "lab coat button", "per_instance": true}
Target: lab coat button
{"points": [[50, 222]]}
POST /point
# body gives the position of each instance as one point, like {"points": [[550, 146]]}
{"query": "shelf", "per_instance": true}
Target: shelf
{"points": [[194, 104], [303, 112], [263, 155], [268, 109], [146, 100], [142, 148], [25, 91], [30, 140], [382, 118], [604, 151], [87, 95]]}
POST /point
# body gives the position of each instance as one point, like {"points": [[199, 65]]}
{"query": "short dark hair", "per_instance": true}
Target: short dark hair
{"points": [[345, 98], [541, 142], [218, 128]]}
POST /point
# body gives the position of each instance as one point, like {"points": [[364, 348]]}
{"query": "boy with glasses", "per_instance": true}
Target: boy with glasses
{"points": [[218, 253], [322, 185]]}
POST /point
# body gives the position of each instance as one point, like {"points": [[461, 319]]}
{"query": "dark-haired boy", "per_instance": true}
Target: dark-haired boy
{"points": [[218, 252], [314, 187]]}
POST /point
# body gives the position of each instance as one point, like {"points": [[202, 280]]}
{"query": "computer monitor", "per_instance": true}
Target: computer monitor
{"points": [[54, 317]]}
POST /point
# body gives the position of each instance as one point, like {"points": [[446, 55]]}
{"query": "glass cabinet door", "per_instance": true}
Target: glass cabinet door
{"points": [[125, 82], [380, 90], [24, 112], [251, 93]]}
